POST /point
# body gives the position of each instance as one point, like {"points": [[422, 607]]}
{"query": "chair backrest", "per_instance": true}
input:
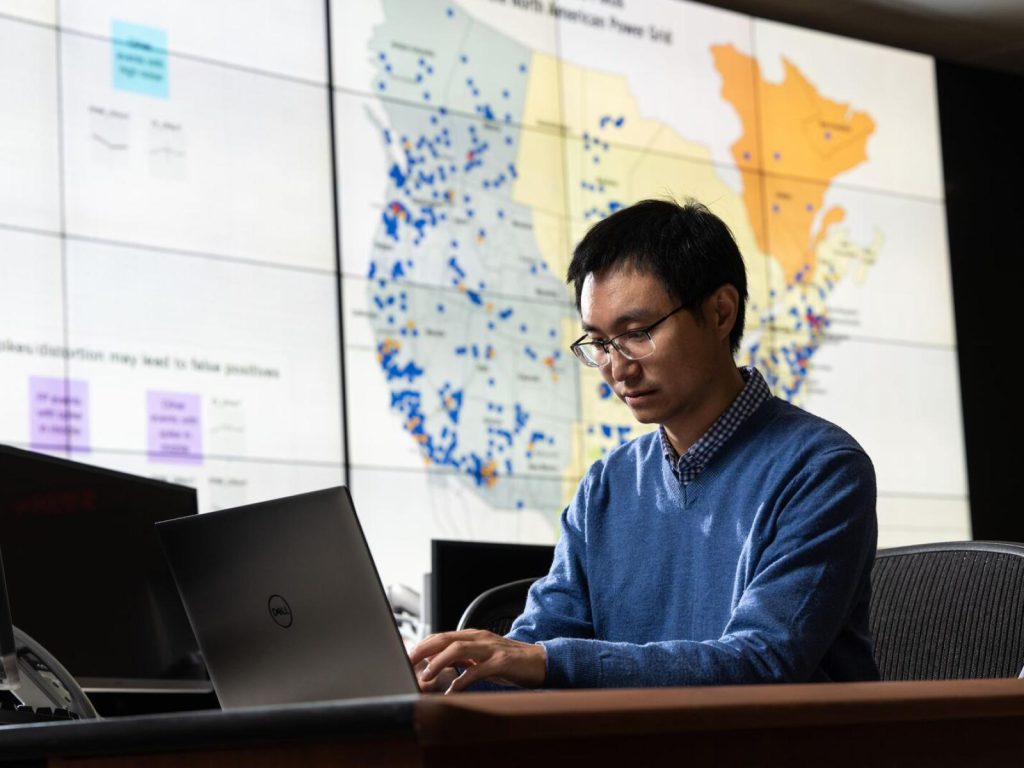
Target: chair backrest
{"points": [[497, 608], [951, 610]]}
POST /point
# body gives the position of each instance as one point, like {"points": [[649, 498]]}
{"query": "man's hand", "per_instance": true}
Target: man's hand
{"points": [[483, 655]]}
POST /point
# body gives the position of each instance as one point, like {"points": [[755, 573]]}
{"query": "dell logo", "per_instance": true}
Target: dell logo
{"points": [[280, 611]]}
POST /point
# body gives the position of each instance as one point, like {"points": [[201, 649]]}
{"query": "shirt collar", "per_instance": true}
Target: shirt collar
{"points": [[688, 466]]}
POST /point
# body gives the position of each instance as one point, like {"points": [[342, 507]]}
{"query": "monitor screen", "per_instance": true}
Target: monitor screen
{"points": [[461, 570], [85, 575]]}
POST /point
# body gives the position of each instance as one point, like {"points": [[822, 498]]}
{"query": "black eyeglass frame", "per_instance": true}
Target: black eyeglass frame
{"points": [[575, 347]]}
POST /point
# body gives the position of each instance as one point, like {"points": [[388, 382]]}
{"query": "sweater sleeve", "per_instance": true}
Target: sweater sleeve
{"points": [[558, 604], [818, 547]]}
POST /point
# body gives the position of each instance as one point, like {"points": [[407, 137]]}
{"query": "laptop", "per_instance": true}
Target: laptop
{"points": [[286, 603]]}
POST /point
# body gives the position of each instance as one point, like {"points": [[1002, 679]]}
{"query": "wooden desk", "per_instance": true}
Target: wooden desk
{"points": [[949, 723], [942, 723]]}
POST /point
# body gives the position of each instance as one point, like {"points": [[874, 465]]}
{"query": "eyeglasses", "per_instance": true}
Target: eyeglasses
{"points": [[632, 345]]}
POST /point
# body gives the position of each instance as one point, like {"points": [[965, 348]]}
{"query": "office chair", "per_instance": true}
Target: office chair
{"points": [[938, 611], [497, 608], [951, 610]]}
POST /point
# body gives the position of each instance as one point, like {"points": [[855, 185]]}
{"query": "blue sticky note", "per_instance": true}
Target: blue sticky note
{"points": [[140, 59]]}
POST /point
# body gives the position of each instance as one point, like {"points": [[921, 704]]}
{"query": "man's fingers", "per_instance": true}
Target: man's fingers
{"points": [[482, 654], [471, 675], [430, 645], [434, 644], [460, 653]]}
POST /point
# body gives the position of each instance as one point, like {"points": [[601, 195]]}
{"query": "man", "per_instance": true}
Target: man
{"points": [[732, 545]]}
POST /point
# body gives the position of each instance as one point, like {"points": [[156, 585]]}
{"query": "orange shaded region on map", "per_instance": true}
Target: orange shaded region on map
{"points": [[800, 144]]}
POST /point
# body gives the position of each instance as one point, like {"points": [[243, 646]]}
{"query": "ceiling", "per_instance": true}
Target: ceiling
{"points": [[980, 33]]}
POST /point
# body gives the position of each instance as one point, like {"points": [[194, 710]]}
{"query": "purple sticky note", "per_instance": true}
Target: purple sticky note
{"points": [[175, 427], [58, 414]]}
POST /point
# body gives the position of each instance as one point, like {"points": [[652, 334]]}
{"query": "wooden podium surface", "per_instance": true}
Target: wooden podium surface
{"points": [[942, 723]]}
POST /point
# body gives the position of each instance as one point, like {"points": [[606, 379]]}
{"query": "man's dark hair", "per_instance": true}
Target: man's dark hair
{"points": [[686, 246]]}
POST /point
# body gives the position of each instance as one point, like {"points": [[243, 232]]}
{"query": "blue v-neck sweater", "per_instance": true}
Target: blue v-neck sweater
{"points": [[756, 571]]}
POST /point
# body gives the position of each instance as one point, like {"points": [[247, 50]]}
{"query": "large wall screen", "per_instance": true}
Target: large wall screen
{"points": [[169, 302]]}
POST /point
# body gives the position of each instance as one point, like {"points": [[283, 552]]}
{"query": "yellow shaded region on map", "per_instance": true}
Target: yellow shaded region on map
{"points": [[572, 173], [805, 141], [560, 182]]}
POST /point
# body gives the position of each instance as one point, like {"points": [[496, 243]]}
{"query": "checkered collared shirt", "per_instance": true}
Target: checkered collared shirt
{"points": [[692, 463]]}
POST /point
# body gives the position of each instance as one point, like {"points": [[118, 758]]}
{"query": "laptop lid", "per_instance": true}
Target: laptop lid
{"points": [[286, 603]]}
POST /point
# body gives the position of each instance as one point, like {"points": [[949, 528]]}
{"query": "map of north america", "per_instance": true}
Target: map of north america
{"points": [[500, 158]]}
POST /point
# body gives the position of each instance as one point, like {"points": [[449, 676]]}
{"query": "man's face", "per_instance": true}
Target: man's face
{"points": [[674, 382]]}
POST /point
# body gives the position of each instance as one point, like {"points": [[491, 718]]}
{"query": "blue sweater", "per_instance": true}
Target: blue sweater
{"points": [[756, 571]]}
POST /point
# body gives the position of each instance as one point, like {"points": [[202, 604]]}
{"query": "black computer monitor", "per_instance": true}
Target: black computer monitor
{"points": [[461, 570], [86, 577]]}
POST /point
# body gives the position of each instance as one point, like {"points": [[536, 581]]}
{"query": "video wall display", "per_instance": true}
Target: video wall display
{"points": [[169, 300], [172, 274]]}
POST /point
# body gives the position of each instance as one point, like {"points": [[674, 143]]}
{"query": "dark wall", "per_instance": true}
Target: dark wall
{"points": [[983, 156]]}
